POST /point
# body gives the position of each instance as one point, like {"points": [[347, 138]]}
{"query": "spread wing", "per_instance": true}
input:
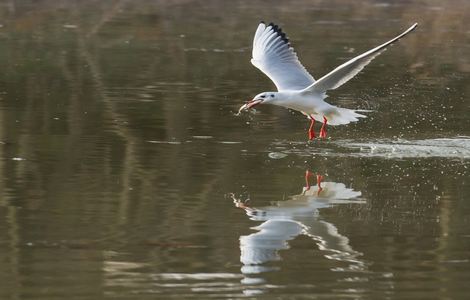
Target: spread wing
{"points": [[274, 56], [348, 70]]}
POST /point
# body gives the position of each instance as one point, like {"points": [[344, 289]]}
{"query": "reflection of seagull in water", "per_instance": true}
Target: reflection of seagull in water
{"points": [[299, 215], [296, 88]]}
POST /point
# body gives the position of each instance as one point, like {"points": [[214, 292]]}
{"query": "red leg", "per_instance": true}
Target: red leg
{"points": [[311, 132], [319, 180], [308, 174], [323, 128]]}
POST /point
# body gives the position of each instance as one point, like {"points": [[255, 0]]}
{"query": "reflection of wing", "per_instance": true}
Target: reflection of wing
{"points": [[348, 70], [329, 237], [333, 243], [262, 246], [273, 55]]}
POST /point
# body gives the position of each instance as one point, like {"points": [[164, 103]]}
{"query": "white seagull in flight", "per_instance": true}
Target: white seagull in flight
{"points": [[296, 88]]}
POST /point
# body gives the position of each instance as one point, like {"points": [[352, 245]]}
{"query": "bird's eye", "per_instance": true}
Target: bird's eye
{"points": [[272, 95], [262, 96]]}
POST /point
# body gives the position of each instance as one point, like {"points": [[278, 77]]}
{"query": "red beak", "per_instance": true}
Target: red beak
{"points": [[249, 105], [253, 103]]}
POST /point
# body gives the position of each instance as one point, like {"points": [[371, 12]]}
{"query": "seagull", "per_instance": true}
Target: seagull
{"points": [[296, 88]]}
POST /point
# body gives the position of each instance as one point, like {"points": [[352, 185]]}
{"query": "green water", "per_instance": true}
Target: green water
{"points": [[125, 173]]}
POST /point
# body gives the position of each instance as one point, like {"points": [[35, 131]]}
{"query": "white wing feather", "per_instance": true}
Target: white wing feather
{"points": [[348, 70], [274, 56]]}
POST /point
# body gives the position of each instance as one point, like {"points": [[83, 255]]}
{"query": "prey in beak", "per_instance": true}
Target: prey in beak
{"points": [[249, 104]]}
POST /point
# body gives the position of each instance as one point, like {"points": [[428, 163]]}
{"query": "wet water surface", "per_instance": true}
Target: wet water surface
{"points": [[126, 173]]}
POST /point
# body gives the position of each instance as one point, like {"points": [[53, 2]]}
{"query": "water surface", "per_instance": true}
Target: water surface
{"points": [[125, 173]]}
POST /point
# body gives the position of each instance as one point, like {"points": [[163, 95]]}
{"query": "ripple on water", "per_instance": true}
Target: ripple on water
{"points": [[458, 147], [277, 155], [443, 147], [164, 142], [133, 276]]}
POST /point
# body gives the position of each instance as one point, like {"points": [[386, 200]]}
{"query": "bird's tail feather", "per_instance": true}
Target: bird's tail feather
{"points": [[341, 116]]}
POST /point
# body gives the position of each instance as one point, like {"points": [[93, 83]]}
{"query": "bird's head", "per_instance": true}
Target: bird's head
{"points": [[262, 98]]}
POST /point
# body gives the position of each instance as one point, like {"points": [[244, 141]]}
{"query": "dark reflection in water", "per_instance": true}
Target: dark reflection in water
{"points": [[119, 142], [299, 215]]}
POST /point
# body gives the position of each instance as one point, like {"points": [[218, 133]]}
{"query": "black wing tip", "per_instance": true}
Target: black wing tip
{"points": [[279, 32], [262, 22]]}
